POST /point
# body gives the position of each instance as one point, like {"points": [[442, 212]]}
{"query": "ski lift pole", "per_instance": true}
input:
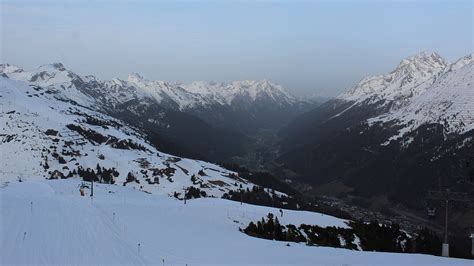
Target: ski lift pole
{"points": [[472, 241], [445, 249], [447, 196]]}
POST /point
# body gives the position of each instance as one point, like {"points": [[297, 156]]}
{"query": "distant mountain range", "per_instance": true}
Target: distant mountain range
{"points": [[205, 120]]}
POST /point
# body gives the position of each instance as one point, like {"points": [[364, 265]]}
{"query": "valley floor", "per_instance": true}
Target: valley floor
{"points": [[48, 222]]}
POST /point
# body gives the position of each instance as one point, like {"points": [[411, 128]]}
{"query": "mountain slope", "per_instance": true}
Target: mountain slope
{"points": [[220, 116], [202, 96], [168, 128], [242, 106], [409, 79], [448, 101], [46, 135], [396, 135]]}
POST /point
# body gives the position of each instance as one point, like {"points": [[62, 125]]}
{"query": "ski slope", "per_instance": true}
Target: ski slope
{"points": [[48, 222]]}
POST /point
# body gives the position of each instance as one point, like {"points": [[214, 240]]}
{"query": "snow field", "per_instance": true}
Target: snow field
{"points": [[64, 228]]}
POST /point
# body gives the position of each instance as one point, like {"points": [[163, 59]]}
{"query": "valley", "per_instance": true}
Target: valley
{"points": [[261, 151], [361, 155], [236, 133]]}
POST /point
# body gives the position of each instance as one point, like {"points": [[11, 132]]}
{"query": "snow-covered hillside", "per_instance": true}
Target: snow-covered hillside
{"points": [[47, 133], [48, 222]]}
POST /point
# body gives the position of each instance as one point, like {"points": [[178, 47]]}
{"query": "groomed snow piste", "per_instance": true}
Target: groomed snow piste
{"points": [[48, 222]]}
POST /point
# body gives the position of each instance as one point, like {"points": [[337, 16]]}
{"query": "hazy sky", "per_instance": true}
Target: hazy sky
{"points": [[306, 46]]}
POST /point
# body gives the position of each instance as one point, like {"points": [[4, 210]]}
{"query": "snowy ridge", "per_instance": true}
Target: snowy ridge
{"points": [[53, 77], [422, 89], [201, 93], [182, 96], [411, 78], [45, 134], [225, 93], [449, 102]]}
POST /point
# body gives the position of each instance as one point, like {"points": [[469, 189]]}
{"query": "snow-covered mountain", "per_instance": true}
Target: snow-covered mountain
{"points": [[394, 134], [59, 125], [182, 96], [240, 105], [447, 100], [51, 132], [422, 89], [204, 94], [166, 126], [251, 90], [409, 79], [167, 112]]}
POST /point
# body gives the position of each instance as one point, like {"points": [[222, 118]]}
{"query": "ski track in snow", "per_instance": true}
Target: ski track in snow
{"points": [[64, 228]]}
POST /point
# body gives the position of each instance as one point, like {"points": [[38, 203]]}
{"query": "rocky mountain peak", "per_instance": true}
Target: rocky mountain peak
{"points": [[53, 67]]}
